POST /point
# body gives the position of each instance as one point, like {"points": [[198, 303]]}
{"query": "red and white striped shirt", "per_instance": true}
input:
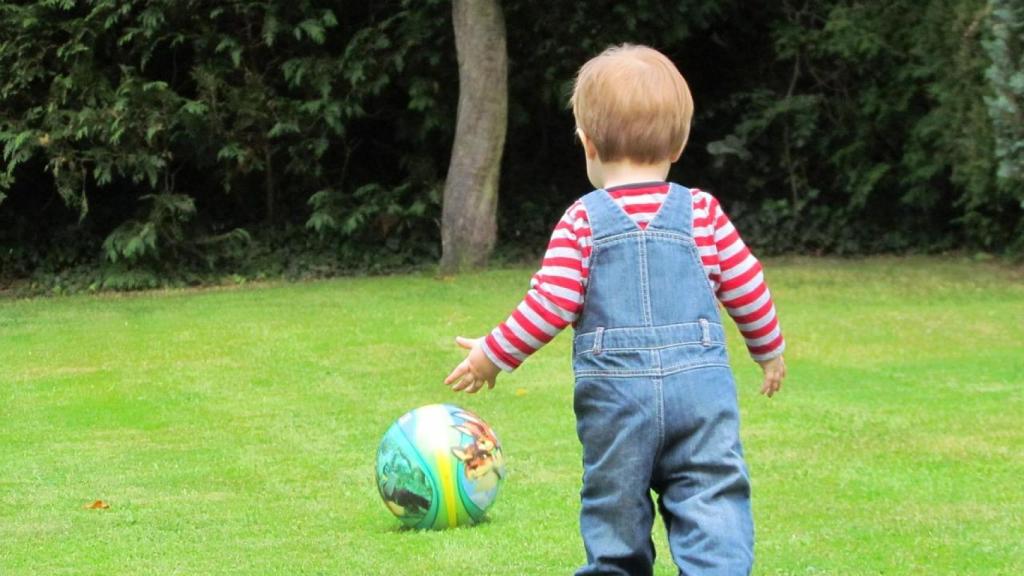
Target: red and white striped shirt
{"points": [[556, 293]]}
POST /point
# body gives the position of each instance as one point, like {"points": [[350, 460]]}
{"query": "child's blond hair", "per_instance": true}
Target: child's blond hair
{"points": [[633, 103]]}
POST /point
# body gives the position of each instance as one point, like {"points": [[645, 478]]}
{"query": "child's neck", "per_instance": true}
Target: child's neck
{"points": [[626, 172]]}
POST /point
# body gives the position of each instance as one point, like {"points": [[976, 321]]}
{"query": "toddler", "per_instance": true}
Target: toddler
{"points": [[638, 267]]}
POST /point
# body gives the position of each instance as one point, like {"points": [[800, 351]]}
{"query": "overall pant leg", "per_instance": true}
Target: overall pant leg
{"points": [[616, 425], [701, 478]]}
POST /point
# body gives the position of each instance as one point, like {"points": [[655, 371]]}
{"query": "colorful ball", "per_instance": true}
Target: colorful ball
{"points": [[439, 466]]}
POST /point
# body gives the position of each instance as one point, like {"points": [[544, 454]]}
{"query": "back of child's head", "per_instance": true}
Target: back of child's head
{"points": [[634, 105]]}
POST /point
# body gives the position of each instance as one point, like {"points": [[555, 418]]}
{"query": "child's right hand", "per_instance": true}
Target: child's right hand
{"points": [[774, 372], [475, 371]]}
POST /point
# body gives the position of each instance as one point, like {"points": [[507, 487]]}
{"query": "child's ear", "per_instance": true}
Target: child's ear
{"points": [[679, 154], [588, 145]]}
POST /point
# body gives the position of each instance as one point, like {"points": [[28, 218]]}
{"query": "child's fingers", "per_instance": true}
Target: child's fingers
{"points": [[478, 385], [461, 370], [774, 372], [772, 383], [468, 384], [462, 382], [462, 378]]}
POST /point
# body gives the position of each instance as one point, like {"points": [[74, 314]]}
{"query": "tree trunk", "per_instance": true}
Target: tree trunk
{"points": [[469, 215]]}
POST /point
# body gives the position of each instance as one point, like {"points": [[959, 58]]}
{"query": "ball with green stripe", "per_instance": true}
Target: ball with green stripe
{"points": [[439, 466]]}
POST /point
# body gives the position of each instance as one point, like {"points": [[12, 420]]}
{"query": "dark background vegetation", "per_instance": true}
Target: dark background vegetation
{"points": [[156, 142]]}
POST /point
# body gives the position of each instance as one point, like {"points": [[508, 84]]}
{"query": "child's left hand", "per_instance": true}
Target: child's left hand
{"points": [[476, 370], [774, 372]]}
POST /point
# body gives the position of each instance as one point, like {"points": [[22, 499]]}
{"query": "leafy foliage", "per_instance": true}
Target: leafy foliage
{"points": [[162, 141], [222, 116], [1005, 102], [1005, 49], [875, 132]]}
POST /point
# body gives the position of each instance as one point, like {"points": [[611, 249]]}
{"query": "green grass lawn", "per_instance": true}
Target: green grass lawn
{"points": [[234, 431]]}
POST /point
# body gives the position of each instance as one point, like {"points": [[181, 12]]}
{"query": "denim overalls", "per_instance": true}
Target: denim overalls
{"points": [[655, 401]]}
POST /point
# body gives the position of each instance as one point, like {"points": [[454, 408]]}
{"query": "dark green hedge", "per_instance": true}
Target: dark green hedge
{"points": [[147, 141]]}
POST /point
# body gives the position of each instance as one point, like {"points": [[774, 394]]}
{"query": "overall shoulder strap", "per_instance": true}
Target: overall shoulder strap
{"points": [[676, 213], [606, 217]]}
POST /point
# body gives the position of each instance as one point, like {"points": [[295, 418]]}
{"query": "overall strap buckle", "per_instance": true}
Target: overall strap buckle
{"points": [[598, 340], [705, 331]]}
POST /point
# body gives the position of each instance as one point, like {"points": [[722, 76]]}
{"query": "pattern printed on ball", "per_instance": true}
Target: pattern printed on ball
{"points": [[439, 466]]}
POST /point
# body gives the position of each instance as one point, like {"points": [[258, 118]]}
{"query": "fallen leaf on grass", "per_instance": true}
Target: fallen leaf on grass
{"points": [[97, 505], [520, 391]]}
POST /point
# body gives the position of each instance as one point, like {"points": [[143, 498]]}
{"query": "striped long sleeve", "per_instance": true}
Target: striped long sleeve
{"points": [[557, 290]]}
